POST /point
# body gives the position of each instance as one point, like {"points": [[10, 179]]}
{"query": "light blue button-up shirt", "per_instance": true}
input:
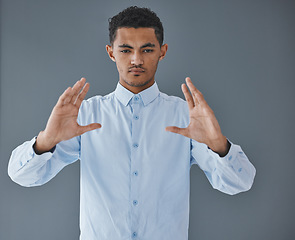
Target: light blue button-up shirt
{"points": [[135, 176]]}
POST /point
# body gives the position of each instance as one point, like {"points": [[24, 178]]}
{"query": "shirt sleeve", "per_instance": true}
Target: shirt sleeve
{"points": [[30, 169], [231, 174]]}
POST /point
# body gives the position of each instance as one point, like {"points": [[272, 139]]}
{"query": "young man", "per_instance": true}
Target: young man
{"points": [[134, 168]]}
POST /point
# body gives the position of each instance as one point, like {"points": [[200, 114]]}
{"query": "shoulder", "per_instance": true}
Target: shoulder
{"points": [[173, 105], [93, 106], [172, 100], [97, 100], [175, 108]]}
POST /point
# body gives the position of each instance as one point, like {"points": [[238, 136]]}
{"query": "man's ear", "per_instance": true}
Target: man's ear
{"points": [[164, 49], [109, 49]]}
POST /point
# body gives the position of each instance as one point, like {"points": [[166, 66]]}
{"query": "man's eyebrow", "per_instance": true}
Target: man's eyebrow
{"points": [[125, 46], [148, 45], [143, 46]]}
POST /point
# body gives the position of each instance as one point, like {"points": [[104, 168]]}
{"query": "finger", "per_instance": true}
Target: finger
{"points": [[182, 131], [197, 95], [82, 95], [66, 96], [188, 96], [87, 128], [77, 88]]}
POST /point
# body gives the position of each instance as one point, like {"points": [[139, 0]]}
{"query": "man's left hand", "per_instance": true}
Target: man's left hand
{"points": [[203, 126]]}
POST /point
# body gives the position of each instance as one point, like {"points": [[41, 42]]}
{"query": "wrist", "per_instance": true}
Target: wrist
{"points": [[220, 146], [43, 143]]}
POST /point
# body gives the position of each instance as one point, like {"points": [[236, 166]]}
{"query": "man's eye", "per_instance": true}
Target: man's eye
{"points": [[125, 51], [148, 50]]}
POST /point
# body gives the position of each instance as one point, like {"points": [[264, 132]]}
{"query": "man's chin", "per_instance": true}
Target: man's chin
{"points": [[137, 83]]}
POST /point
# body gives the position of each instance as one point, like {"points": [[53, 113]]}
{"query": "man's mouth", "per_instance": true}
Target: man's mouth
{"points": [[136, 70]]}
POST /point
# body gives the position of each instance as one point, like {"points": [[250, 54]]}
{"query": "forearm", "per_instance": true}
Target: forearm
{"points": [[30, 169], [25, 166], [234, 173], [230, 174]]}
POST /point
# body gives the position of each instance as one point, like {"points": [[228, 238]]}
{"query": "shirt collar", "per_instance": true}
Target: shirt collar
{"points": [[147, 95]]}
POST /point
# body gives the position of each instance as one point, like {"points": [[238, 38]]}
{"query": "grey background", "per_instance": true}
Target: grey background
{"points": [[240, 54]]}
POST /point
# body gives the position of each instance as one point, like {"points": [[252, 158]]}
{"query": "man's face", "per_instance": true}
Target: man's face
{"points": [[136, 52]]}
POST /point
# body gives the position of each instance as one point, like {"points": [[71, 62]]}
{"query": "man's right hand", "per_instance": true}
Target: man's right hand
{"points": [[62, 123]]}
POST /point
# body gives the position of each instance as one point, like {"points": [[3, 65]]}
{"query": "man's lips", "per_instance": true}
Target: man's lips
{"points": [[136, 70]]}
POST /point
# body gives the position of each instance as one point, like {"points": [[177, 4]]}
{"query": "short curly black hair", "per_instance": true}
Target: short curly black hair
{"points": [[136, 17]]}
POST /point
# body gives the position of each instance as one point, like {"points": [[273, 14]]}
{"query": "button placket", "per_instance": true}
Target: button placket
{"points": [[136, 105]]}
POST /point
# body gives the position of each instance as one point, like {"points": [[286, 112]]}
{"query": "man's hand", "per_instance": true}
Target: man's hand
{"points": [[62, 123], [203, 126]]}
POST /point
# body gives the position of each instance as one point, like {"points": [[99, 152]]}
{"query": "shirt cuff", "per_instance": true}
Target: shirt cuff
{"points": [[234, 150], [51, 150], [31, 156], [228, 143]]}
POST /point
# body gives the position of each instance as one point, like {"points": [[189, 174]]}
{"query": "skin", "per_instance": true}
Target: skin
{"points": [[136, 53], [203, 126], [62, 123]]}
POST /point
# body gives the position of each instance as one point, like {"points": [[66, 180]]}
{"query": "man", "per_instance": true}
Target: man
{"points": [[134, 174]]}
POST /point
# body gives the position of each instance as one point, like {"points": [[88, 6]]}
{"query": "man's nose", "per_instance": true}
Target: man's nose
{"points": [[136, 59]]}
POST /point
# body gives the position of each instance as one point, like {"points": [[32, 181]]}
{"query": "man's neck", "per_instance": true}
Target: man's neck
{"points": [[136, 89]]}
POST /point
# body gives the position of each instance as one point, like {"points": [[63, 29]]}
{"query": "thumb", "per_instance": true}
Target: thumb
{"points": [[182, 131], [90, 127]]}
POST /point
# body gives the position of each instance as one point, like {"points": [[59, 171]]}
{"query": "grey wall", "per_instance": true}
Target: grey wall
{"points": [[240, 54]]}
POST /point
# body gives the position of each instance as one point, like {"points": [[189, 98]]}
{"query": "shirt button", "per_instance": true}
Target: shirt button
{"points": [[136, 98], [135, 202], [135, 145], [135, 173], [136, 117], [134, 234]]}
